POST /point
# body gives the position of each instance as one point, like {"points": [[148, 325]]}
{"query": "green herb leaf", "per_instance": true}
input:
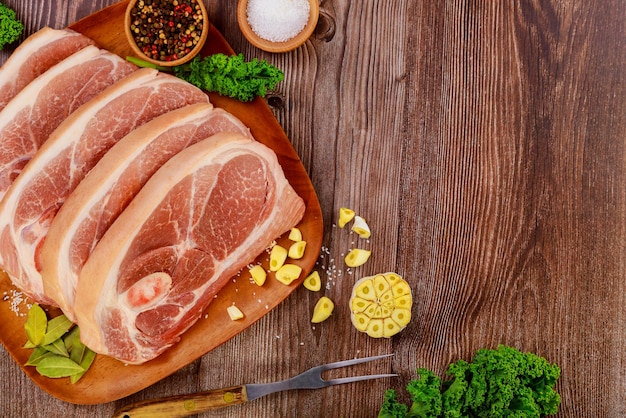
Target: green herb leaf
{"points": [[29, 344], [88, 358], [57, 327], [36, 324], [78, 351], [37, 355], [231, 75], [71, 339], [57, 347], [56, 366]]}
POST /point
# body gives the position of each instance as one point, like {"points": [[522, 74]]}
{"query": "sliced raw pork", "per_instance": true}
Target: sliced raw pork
{"points": [[62, 162], [207, 213], [31, 116], [34, 56], [112, 183]]}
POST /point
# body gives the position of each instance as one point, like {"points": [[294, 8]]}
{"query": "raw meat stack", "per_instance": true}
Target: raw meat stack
{"points": [[127, 199]]}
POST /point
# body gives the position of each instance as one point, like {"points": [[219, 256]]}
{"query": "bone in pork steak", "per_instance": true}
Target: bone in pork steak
{"points": [[207, 213], [32, 201], [31, 116], [34, 56], [112, 183]]}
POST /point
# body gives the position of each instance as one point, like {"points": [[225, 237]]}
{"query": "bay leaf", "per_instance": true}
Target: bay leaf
{"points": [[57, 327], [57, 347], [78, 351], [36, 324], [56, 366], [88, 358], [72, 338], [28, 344], [37, 355]]}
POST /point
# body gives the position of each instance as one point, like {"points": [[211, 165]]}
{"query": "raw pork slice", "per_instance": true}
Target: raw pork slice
{"points": [[207, 213], [111, 184], [31, 116], [34, 56], [35, 196]]}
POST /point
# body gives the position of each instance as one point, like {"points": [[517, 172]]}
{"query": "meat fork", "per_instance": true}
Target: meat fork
{"points": [[191, 404]]}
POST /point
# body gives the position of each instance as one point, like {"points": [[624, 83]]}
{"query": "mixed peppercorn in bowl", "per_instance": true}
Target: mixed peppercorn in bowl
{"points": [[166, 32]]}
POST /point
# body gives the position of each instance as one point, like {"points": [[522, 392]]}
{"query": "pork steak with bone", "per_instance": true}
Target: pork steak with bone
{"points": [[108, 188], [203, 216]]}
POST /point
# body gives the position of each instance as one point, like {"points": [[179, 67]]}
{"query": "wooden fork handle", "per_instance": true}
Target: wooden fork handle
{"points": [[184, 405]]}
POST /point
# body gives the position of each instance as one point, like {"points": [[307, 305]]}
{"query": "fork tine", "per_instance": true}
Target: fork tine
{"points": [[352, 362], [342, 380]]}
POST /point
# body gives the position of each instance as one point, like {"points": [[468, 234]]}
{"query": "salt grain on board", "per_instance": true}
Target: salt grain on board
{"points": [[278, 20]]}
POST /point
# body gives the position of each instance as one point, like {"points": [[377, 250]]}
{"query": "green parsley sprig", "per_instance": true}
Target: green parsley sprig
{"points": [[227, 75]]}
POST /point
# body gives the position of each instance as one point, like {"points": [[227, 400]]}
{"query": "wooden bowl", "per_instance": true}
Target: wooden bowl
{"points": [[173, 63], [269, 46]]}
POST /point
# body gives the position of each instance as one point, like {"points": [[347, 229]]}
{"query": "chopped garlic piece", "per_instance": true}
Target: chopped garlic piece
{"points": [[295, 234], [381, 305], [234, 312], [296, 250], [288, 273], [323, 308], [357, 257], [313, 282], [345, 216], [258, 274], [361, 227], [278, 255]]}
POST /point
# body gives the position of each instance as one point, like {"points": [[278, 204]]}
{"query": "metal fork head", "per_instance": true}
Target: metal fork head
{"points": [[312, 378]]}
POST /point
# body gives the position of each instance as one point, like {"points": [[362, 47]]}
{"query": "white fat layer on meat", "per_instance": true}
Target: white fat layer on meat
{"points": [[168, 176], [32, 44], [65, 275], [30, 92]]}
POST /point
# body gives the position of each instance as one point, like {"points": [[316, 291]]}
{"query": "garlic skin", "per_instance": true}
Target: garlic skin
{"points": [[360, 227]]}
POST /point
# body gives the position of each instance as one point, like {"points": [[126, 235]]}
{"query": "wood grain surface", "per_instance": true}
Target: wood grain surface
{"points": [[484, 142]]}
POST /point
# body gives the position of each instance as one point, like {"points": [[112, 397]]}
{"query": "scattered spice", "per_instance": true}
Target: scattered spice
{"points": [[166, 30], [278, 20]]}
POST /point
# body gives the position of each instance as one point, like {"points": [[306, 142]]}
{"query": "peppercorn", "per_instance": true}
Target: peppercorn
{"points": [[166, 30]]}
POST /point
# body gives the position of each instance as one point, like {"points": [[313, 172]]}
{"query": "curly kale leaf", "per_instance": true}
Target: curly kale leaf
{"points": [[231, 75], [425, 394], [497, 383], [392, 407], [10, 27]]}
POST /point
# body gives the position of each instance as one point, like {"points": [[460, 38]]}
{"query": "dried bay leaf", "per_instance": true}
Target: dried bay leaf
{"points": [[57, 366], [57, 327], [72, 338], [37, 355], [88, 358], [57, 347], [36, 324]]}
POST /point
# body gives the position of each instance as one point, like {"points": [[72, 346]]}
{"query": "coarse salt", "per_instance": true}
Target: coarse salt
{"points": [[278, 20]]}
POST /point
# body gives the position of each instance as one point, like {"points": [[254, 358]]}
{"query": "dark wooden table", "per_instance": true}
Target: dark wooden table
{"points": [[485, 143]]}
